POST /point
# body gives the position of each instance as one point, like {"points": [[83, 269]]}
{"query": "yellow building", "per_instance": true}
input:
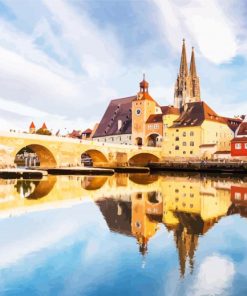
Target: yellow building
{"points": [[197, 131]]}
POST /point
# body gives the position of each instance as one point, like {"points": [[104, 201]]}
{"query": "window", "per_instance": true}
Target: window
{"points": [[191, 134], [176, 147], [191, 152], [184, 152], [177, 139], [245, 145], [184, 134], [177, 130], [192, 144], [184, 143], [237, 196], [238, 146], [245, 196]]}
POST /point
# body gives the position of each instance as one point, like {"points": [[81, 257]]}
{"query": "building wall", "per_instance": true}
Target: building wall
{"points": [[186, 141], [217, 133], [238, 148], [146, 107], [182, 142], [125, 139]]}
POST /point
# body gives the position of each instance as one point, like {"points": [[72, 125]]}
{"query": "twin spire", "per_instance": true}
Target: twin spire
{"points": [[187, 88], [183, 71]]}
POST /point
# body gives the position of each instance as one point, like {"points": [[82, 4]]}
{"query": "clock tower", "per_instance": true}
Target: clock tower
{"points": [[142, 107]]}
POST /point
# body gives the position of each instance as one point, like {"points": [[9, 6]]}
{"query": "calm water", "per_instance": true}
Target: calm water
{"points": [[124, 235]]}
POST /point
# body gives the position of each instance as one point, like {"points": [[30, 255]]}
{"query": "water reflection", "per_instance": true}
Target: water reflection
{"points": [[138, 205]]}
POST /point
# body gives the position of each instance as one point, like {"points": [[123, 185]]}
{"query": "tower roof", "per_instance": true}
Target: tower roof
{"points": [[32, 125], [44, 126], [193, 64], [144, 84], [183, 70]]}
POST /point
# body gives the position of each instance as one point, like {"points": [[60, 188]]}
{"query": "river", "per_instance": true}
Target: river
{"points": [[170, 234]]}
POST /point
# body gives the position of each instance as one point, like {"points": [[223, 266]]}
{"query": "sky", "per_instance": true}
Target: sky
{"points": [[62, 61]]}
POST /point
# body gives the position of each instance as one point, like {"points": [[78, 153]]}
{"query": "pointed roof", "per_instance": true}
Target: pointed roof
{"points": [[193, 64], [32, 125], [44, 126], [183, 70]]}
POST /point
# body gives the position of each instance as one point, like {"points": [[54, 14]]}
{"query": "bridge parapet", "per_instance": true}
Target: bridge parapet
{"points": [[62, 151]]}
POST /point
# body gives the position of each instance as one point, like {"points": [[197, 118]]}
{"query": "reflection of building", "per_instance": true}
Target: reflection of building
{"points": [[145, 208], [191, 207], [239, 200], [137, 215]]}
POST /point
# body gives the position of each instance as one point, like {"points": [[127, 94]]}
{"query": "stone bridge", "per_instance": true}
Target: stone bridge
{"points": [[60, 151]]}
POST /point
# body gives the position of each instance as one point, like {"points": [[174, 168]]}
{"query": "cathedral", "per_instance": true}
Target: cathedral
{"points": [[187, 129]]}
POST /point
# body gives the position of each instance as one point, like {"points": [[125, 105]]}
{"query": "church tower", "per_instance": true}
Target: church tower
{"points": [[142, 107], [195, 82], [187, 87], [182, 86]]}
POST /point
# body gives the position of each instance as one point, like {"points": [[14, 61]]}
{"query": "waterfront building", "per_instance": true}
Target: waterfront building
{"points": [[239, 143], [187, 129]]}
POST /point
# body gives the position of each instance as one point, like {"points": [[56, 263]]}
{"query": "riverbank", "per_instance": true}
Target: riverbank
{"points": [[203, 166]]}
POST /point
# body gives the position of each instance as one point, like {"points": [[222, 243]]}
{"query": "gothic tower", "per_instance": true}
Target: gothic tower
{"points": [[187, 87], [195, 82], [182, 86]]}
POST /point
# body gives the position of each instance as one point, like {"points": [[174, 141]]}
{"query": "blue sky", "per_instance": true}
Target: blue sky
{"points": [[61, 61]]}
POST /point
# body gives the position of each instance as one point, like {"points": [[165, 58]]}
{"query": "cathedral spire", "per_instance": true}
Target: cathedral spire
{"points": [[193, 64], [195, 82], [183, 71]]}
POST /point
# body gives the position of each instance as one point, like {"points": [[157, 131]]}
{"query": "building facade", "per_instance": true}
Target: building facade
{"points": [[187, 129], [239, 143]]}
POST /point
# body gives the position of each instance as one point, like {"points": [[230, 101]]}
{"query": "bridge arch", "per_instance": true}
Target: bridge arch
{"points": [[143, 159], [35, 189], [154, 140], [45, 158], [97, 157]]}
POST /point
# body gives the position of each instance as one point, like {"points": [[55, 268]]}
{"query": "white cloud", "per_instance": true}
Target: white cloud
{"points": [[203, 23], [215, 275]]}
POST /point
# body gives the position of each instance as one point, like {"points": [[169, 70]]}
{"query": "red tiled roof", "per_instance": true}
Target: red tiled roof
{"points": [[155, 118], [195, 113], [87, 131], [169, 110], [32, 125], [44, 126], [242, 131], [233, 123]]}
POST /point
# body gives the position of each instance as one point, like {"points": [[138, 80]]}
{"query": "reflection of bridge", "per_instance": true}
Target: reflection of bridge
{"points": [[56, 151], [135, 206]]}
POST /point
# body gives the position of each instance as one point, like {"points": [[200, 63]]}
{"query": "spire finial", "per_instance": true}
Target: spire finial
{"points": [[143, 76]]}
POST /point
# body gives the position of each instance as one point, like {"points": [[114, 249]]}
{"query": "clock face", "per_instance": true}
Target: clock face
{"points": [[138, 111]]}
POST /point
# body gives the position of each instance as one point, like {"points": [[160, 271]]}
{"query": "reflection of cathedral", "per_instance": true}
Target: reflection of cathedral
{"points": [[136, 205], [187, 207]]}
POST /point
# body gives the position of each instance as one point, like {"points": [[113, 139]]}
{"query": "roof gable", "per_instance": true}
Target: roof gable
{"points": [[118, 109]]}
